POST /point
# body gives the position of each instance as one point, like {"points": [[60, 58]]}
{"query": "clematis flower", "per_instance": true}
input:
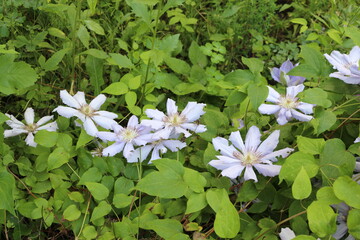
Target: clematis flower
{"points": [[125, 139], [87, 113], [240, 157], [286, 107], [280, 74], [158, 147], [288, 234], [347, 65], [341, 228], [30, 127], [175, 122]]}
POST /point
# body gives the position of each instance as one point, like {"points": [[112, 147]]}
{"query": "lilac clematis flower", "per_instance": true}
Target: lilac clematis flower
{"points": [[125, 138], [288, 234], [239, 156], [347, 65], [87, 113], [285, 108], [341, 228], [175, 122], [280, 74], [30, 127]]}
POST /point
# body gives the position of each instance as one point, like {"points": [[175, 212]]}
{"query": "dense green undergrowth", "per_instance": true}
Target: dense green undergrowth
{"points": [[140, 53]]}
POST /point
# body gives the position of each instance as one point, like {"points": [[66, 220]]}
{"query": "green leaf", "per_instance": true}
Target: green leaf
{"points": [[71, 213], [76, 196], [239, 77], [166, 228], [186, 88], [91, 175], [335, 161], [310, 145], [316, 96], [94, 26], [295, 162], [301, 187], [95, 67], [324, 120], [117, 88], [7, 183], [53, 62], [121, 200], [353, 33], [98, 190], [335, 35], [196, 202], [100, 210], [46, 138], [235, 97], [353, 223], [123, 185], [15, 76], [345, 185], [83, 139], [195, 180], [170, 43], [140, 10], [135, 82], [322, 219], [120, 60], [3, 118], [56, 32], [257, 94], [89, 232], [254, 64], [227, 221], [326, 194], [304, 70], [177, 65], [57, 158], [301, 21], [96, 53], [196, 55], [83, 35], [130, 98]]}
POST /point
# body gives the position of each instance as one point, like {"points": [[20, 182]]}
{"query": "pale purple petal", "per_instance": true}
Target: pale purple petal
{"points": [[193, 111], [232, 172], [275, 74], [128, 149], [155, 114], [113, 149], [13, 122], [286, 66], [223, 145], [155, 154], [51, 127], [252, 139], [268, 108], [14, 132], [268, 170], [80, 98], [97, 102], [182, 130], [273, 96], [68, 99], [286, 234], [133, 122], [44, 120], [174, 145], [300, 116], [354, 54], [281, 118], [140, 153], [283, 153], [341, 230], [66, 111], [107, 136], [29, 116], [270, 143], [90, 127], [224, 162], [107, 114], [143, 139], [293, 91], [250, 174], [237, 141], [104, 122], [30, 140], [171, 107], [200, 128], [306, 108], [155, 124], [193, 127], [163, 133]]}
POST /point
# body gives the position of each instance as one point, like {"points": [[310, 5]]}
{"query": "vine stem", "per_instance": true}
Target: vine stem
{"points": [[83, 222], [342, 124]]}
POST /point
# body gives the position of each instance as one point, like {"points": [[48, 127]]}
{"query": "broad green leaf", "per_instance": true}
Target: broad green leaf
{"points": [[335, 161], [195, 180], [123, 185], [130, 98], [58, 158], [304, 70], [301, 187], [15, 75], [46, 138], [96, 53], [77, 197], [239, 77], [117, 88], [53, 62], [227, 221], [353, 33], [196, 55], [134, 110], [353, 223], [248, 192], [257, 94], [121, 200], [314, 58], [95, 67], [71, 213], [140, 10], [83, 35], [100, 211], [324, 120], [335, 35], [174, 167], [120, 60], [196, 202], [301, 21], [343, 186], [83, 139], [234, 98], [94, 26], [64, 140], [304, 237], [135, 82], [322, 219], [177, 65], [3, 118], [125, 228], [310, 145], [91, 175], [98, 190], [166, 228], [56, 32], [7, 183], [316, 96], [295, 162], [170, 43], [186, 88], [254, 64], [326, 194], [92, 5], [89, 232]]}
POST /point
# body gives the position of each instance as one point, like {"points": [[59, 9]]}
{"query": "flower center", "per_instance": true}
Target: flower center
{"points": [[175, 119], [87, 110], [31, 127], [249, 159], [288, 102], [128, 134]]}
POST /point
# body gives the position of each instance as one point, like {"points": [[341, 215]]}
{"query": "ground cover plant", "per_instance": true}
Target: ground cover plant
{"points": [[179, 119]]}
